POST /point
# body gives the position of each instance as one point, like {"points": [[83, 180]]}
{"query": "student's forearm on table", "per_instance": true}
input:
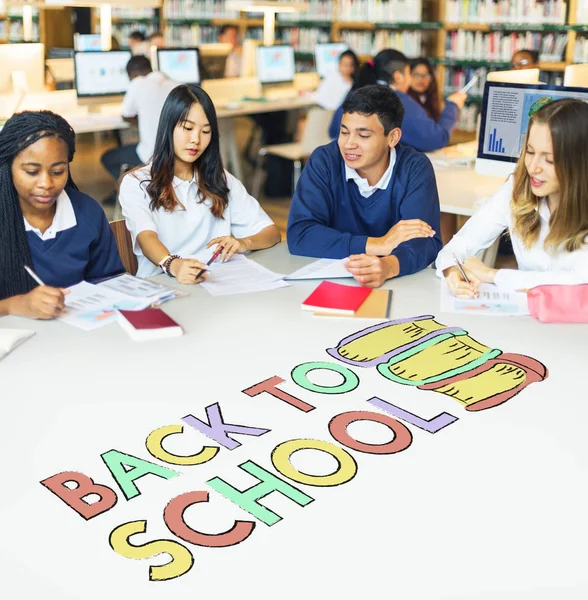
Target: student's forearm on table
{"points": [[269, 236], [151, 247]]}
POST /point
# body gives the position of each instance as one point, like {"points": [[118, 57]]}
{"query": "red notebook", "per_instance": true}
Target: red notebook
{"points": [[336, 298], [148, 324]]}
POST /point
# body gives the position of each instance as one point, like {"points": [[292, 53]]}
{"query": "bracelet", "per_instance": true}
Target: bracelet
{"points": [[165, 265]]}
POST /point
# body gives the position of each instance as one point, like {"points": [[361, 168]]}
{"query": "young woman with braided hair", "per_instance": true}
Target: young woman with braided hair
{"points": [[45, 221]]}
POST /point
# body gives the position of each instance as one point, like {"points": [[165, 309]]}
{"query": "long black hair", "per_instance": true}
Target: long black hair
{"points": [[21, 131], [431, 103], [381, 68], [212, 180]]}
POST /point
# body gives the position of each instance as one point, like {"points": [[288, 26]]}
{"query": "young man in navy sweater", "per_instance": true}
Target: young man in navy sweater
{"points": [[367, 197]]}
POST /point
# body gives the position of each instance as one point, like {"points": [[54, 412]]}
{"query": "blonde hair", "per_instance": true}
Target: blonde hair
{"points": [[567, 120]]}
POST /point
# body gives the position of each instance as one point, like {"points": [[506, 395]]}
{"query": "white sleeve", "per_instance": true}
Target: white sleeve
{"points": [[525, 280], [245, 214], [480, 231], [134, 202], [129, 107]]}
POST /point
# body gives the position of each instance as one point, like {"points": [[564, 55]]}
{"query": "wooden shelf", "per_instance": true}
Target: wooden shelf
{"points": [[552, 66], [467, 26]]}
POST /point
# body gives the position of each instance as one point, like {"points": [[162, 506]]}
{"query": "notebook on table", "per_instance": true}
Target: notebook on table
{"points": [[148, 324], [336, 298]]}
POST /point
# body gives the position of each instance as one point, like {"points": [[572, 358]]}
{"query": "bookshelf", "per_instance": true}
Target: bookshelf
{"points": [[460, 36], [125, 20], [11, 23]]}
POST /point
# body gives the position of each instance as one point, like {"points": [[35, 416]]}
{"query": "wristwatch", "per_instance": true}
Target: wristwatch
{"points": [[166, 262]]}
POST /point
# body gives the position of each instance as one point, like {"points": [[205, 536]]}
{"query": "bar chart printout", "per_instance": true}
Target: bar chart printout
{"points": [[495, 144]]}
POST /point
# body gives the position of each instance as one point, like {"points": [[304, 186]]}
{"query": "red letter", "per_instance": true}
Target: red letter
{"points": [[269, 386], [338, 428], [173, 515], [85, 486]]}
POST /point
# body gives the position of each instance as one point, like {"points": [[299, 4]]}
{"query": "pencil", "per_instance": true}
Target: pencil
{"points": [[460, 267]]}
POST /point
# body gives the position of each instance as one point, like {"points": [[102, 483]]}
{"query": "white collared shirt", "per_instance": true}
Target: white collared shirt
{"points": [[536, 266], [65, 218], [144, 99], [186, 231], [365, 189]]}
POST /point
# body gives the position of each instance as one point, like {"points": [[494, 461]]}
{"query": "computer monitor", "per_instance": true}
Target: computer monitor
{"points": [[88, 42], [27, 59], [179, 64], [275, 64], [576, 76], [326, 57], [214, 59], [515, 76], [506, 110], [102, 74]]}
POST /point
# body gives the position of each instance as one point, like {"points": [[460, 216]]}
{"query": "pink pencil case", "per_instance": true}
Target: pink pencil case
{"points": [[559, 303]]}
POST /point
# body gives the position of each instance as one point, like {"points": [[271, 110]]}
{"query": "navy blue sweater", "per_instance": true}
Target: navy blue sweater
{"points": [[85, 252], [418, 129], [329, 218]]}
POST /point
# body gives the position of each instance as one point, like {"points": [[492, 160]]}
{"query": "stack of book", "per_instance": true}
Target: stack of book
{"points": [[337, 300]]}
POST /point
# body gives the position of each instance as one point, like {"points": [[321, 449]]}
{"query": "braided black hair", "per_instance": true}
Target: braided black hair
{"points": [[19, 132]]}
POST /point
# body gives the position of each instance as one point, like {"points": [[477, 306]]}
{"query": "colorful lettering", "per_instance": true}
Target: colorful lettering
{"points": [[154, 444], [270, 386], [350, 379], [431, 425]]}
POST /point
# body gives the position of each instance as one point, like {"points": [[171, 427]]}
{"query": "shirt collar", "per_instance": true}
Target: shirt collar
{"points": [[65, 218], [363, 184]]}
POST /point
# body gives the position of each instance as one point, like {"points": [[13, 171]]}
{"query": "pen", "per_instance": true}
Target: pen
{"points": [[33, 275], [460, 267], [469, 84], [212, 259]]}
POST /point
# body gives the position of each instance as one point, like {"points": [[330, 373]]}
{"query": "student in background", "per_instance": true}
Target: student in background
{"points": [[142, 103], [229, 34], [544, 207], [138, 43], [334, 88], [46, 223], [184, 201], [423, 87], [525, 59], [392, 69], [156, 39], [367, 197]]}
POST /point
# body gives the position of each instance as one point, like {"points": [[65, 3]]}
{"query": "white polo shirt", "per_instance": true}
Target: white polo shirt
{"points": [[64, 218], [536, 266], [144, 99], [365, 189], [187, 229]]}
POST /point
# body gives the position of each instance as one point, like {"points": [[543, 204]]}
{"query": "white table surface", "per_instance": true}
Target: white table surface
{"points": [[493, 506]]}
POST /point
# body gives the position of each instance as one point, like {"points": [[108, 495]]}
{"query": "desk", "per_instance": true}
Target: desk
{"points": [[226, 117], [64, 102], [491, 507]]}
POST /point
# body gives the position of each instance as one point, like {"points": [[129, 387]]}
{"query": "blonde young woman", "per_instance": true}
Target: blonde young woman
{"points": [[544, 206]]}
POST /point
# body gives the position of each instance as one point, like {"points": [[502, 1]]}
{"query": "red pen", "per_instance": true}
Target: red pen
{"points": [[212, 259]]}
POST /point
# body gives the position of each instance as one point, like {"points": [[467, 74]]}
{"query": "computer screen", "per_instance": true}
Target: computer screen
{"points": [[101, 73], [275, 64], [179, 64], [326, 57], [88, 42], [506, 110], [26, 58]]}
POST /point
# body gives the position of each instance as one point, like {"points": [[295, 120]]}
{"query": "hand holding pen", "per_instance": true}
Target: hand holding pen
{"points": [[43, 302], [459, 283], [212, 259]]}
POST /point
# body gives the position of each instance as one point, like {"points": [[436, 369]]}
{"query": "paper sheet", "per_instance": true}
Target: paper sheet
{"points": [[491, 301], [324, 268], [141, 288], [238, 276], [91, 306]]}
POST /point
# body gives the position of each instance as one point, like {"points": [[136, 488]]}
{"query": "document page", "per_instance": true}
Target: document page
{"points": [[324, 268], [491, 301], [238, 276]]}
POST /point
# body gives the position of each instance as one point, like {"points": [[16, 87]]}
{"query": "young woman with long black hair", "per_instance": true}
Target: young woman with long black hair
{"points": [[46, 223], [183, 200]]}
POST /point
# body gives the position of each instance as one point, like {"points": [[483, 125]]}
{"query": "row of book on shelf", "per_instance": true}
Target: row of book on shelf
{"points": [[506, 11], [500, 46]]}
